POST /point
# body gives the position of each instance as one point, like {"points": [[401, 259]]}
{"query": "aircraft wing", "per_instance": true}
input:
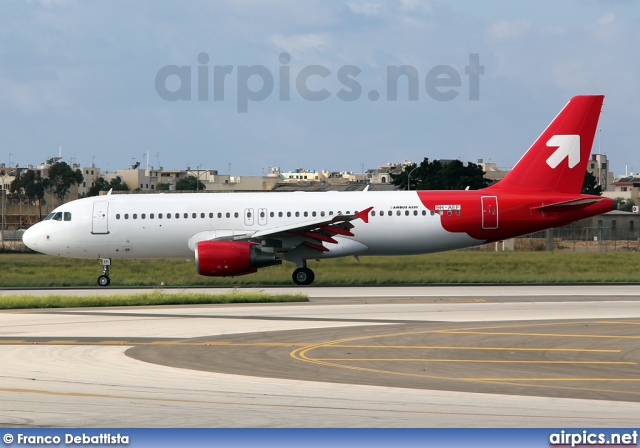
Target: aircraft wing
{"points": [[310, 233]]}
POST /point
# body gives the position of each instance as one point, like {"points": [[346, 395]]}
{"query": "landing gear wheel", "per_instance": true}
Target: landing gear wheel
{"points": [[103, 280], [303, 276]]}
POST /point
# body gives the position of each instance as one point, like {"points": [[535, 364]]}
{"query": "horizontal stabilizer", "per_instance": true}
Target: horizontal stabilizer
{"points": [[573, 203]]}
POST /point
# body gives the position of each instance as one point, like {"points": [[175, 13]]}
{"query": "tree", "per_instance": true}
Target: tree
{"points": [[116, 184], [61, 177], [189, 183], [453, 175], [590, 185], [624, 205], [163, 186], [99, 185], [29, 185]]}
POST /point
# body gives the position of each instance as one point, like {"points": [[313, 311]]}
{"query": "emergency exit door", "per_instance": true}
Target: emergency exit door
{"points": [[489, 212]]}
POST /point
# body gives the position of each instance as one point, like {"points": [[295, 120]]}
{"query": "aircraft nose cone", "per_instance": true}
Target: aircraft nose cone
{"points": [[29, 239]]}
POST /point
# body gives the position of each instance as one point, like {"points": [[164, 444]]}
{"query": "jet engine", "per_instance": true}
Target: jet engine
{"points": [[230, 258]]}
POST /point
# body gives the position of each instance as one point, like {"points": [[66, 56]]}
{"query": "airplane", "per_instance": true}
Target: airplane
{"points": [[237, 234]]}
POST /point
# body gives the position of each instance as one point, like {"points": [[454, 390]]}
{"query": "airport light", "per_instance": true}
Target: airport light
{"points": [[409, 177], [4, 195], [197, 173]]}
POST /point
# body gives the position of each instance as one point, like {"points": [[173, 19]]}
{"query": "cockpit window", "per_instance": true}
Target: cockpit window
{"points": [[49, 216], [57, 216], [67, 216]]}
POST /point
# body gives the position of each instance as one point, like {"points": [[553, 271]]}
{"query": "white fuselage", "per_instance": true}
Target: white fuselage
{"points": [[168, 225]]}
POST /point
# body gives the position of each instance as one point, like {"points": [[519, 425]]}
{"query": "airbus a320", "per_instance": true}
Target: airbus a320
{"points": [[237, 234]]}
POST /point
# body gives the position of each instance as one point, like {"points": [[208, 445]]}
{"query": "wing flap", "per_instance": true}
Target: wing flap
{"points": [[313, 234]]}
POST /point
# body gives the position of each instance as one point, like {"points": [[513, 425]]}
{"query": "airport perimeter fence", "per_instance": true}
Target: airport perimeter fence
{"points": [[11, 241], [582, 239]]}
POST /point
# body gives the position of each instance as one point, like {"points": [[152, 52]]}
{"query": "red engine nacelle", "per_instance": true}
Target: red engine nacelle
{"points": [[229, 258]]}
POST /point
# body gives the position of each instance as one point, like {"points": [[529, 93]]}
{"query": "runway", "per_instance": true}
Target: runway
{"points": [[414, 356]]}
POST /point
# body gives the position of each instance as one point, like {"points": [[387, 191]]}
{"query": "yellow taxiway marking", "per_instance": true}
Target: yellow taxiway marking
{"points": [[458, 347], [626, 322], [302, 354], [505, 361], [557, 335]]}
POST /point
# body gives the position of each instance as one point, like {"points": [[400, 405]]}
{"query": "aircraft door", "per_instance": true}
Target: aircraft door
{"points": [[489, 212], [262, 216], [100, 218], [248, 217]]}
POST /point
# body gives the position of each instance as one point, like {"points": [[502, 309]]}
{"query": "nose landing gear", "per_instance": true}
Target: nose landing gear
{"points": [[104, 279]]}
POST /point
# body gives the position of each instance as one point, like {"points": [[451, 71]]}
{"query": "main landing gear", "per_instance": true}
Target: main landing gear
{"points": [[104, 279], [303, 275]]}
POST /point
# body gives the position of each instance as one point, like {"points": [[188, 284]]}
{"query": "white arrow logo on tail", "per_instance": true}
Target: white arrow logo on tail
{"points": [[568, 146]]}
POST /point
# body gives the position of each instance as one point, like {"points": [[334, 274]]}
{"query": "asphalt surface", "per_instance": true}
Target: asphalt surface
{"points": [[389, 356]]}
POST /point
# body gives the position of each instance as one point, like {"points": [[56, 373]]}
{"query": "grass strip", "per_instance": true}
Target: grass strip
{"points": [[34, 270], [144, 299]]}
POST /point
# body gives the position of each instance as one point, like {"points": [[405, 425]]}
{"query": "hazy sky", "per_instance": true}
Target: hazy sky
{"points": [[254, 84]]}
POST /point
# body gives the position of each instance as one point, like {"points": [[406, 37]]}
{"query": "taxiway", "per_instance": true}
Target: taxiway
{"points": [[434, 356]]}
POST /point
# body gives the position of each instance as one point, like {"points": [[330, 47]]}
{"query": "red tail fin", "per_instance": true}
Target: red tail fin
{"points": [[557, 161]]}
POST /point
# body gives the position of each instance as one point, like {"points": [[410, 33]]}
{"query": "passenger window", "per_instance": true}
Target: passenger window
{"points": [[373, 213], [313, 214], [135, 216], [432, 213], [168, 215], [406, 213], [272, 214], [390, 213], [448, 212], [201, 215], [424, 213], [398, 213], [219, 215], [330, 213], [306, 214], [235, 215], [210, 215], [248, 214], [67, 216], [193, 215], [457, 212], [262, 214], [177, 215], [159, 215], [297, 214], [151, 216], [228, 215], [279, 214], [186, 215], [126, 216], [415, 213], [143, 216], [322, 214], [117, 216]]}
